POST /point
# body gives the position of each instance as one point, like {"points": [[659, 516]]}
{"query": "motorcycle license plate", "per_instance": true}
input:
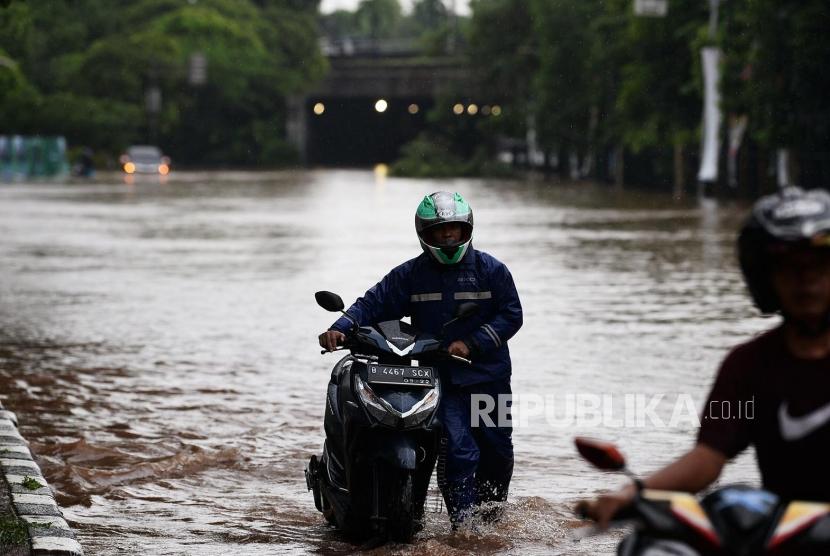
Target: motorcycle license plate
{"points": [[400, 375]]}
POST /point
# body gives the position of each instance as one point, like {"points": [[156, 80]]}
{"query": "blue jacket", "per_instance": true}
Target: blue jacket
{"points": [[429, 292]]}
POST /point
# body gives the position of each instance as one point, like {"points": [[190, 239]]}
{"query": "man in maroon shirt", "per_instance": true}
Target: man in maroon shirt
{"points": [[774, 391]]}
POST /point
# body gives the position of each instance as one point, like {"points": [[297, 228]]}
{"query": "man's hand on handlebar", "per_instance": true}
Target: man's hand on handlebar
{"points": [[605, 507], [460, 349], [330, 339]]}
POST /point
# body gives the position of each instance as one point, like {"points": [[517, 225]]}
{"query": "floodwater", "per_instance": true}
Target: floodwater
{"points": [[158, 344]]}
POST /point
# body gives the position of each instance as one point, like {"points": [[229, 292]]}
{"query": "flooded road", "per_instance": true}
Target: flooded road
{"points": [[158, 344]]}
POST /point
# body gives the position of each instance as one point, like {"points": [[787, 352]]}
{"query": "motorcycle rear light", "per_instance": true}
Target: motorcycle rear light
{"points": [[798, 517]]}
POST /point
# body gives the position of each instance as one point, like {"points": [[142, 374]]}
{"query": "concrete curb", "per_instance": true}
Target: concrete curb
{"points": [[49, 534]]}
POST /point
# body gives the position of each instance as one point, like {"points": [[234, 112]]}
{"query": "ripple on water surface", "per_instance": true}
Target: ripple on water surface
{"points": [[158, 344]]}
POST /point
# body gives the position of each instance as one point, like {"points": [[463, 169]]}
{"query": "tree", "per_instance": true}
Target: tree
{"points": [[18, 98], [660, 91], [563, 85], [429, 14], [503, 52], [112, 52], [379, 19], [340, 24], [776, 72]]}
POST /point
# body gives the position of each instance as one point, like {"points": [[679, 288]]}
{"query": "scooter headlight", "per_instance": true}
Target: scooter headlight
{"points": [[388, 415], [373, 403], [423, 409]]}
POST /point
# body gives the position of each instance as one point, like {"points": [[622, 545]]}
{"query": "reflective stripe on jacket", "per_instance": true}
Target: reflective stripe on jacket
{"points": [[430, 293]]}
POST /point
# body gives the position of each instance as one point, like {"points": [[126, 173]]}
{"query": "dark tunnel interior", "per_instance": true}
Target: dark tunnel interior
{"points": [[350, 132]]}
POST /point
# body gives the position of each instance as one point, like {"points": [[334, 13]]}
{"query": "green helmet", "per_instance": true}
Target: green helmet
{"points": [[440, 208]]}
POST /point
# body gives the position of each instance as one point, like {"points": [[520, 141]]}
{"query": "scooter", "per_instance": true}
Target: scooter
{"points": [[382, 438], [730, 521]]}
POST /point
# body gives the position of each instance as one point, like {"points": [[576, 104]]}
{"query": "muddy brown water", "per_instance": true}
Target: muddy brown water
{"points": [[157, 341]]}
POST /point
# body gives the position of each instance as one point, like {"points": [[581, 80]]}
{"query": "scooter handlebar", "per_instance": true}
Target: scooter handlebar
{"points": [[459, 358], [450, 355], [349, 343]]}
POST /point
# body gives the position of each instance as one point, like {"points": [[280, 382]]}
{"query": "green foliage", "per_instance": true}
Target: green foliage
{"points": [[339, 24], [776, 70], [13, 531], [429, 14], [378, 19], [562, 85], [589, 74], [606, 75], [659, 99], [592, 76], [15, 28], [504, 53], [30, 483], [430, 156], [17, 96], [84, 68], [433, 42], [428, 25], [97, 122]]}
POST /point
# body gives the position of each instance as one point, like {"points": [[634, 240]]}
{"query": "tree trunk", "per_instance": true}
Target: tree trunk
{"points": [[619, 166], [679, 172]]}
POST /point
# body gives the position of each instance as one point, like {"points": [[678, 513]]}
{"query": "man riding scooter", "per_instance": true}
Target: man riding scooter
{"points": [[784, 252], [429, 288]]}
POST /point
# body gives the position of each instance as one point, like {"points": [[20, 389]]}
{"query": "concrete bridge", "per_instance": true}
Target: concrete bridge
{"points": [[371, 103]]}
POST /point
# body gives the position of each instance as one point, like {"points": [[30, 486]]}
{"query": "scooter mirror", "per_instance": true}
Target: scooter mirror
{"points": [[329, 301], [602, 455], [463, 311], [466, 310]]}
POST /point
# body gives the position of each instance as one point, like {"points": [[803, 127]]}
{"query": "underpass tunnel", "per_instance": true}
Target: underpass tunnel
{"points": [[362, 131]]}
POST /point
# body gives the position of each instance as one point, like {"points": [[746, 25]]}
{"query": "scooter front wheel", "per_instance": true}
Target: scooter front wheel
{"points": [[314, 480], [328, 512], [400, 525]]}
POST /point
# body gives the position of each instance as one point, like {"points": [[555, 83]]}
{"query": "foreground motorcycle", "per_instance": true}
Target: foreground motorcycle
{"points": [[732, 520], [382, 440]]}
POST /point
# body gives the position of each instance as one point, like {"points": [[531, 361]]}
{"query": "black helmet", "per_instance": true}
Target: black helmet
{"points": [[439, 208], [792, 217]]}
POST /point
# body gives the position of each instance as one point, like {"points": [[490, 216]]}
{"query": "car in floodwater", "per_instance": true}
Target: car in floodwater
{"points": [[145, 159]]}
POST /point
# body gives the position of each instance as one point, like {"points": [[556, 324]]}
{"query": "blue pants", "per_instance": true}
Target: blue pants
{"points": [[478, 461]]}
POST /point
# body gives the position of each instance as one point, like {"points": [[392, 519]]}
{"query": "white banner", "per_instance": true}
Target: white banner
{"points": [[651, 8], [782, 167], [711, 115]]}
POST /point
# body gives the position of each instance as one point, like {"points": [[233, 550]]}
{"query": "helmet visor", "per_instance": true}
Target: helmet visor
{"points": [[447, 235]]}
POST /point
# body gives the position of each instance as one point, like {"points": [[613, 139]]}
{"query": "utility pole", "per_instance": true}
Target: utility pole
{"points": [[713, 18], [712, 117], [454, 29]]}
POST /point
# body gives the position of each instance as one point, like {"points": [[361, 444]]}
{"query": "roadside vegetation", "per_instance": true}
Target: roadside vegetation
{"points": [[588, 87], [602, 93], [13, 531], [208, 78]]}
